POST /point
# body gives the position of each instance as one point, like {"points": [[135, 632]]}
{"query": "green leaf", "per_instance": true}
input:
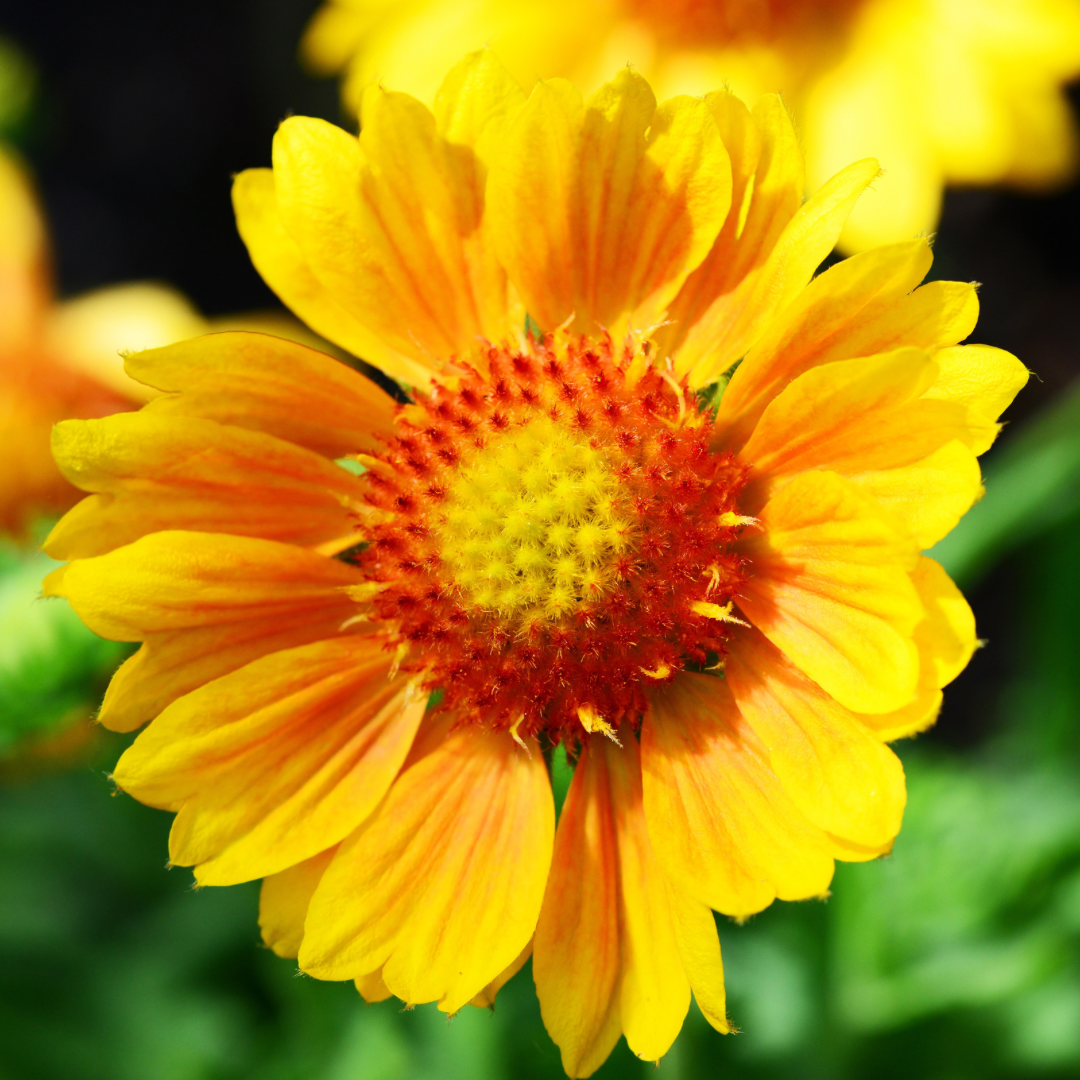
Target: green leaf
{"points": [[50, 663]]}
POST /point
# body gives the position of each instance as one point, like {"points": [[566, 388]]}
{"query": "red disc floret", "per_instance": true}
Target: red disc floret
{"points": [[530, 673]]}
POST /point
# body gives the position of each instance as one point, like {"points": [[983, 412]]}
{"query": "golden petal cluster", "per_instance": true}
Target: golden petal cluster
{"points": [[940, 91], [418, 855]]}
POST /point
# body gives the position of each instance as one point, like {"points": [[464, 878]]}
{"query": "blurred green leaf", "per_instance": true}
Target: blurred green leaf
{"points": [[50, 664], [966, 911], [18, 82], [1032, 484]]}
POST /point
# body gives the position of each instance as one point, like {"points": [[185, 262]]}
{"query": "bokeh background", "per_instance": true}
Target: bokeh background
{"points": [[957, 957]]}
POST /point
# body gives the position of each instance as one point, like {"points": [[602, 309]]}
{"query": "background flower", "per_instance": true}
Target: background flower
{"points": [[940, 91]]}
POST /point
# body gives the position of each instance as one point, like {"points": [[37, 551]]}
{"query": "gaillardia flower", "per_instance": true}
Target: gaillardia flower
{"points": [[940, 91], [669, 520]]}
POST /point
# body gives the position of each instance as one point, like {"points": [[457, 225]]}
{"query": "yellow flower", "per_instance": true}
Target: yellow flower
{"points": [[940, 91], [61, 360], [715, 603]]}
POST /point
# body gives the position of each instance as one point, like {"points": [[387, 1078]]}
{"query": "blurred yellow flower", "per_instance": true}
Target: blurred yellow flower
{"points": [[61, 360], [940, 91], [566, 532]]}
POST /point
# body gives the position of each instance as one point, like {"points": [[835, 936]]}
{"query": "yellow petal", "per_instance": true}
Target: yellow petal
{"points": [[736, 320], [172, 663], [486, 998], [601, 211], [947, 635], [267, 384], [284, 267], [652, 192], [831, 590], [946, 641], [699, 950], [984, 379], [283, 903], [725, 830], [477, 99], [654, 994], [841, 777], [859, 307], [172, 581], [372, 988], [159, 472], [332, 37], [442, 886], [384, 224], [927, 498]]}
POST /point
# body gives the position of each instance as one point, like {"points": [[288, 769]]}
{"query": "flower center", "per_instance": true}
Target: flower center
{"points": [[534, 524], [558, 537]]}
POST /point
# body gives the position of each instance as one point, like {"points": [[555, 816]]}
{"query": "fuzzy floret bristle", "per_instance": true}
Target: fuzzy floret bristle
{"points": [[556, 526]]}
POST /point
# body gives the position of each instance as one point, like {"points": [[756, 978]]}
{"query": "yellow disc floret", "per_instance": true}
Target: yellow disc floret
{"points": [[532, 523]]}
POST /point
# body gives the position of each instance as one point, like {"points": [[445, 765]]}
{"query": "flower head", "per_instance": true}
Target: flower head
{"points": [[671, 522], [941, 91]]}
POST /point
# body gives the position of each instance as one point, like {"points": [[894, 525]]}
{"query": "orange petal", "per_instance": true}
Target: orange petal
{"points": [[841, 777], [726, 831], [578, 961], [601, 210], [283, 903], [830, 588], [859, 307], [255, 789], [735, 320], [854, 416], [172, 663], [442, 886], [267, 384], [180, 580], [167, 472], [617, 949], [768, 184]]}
